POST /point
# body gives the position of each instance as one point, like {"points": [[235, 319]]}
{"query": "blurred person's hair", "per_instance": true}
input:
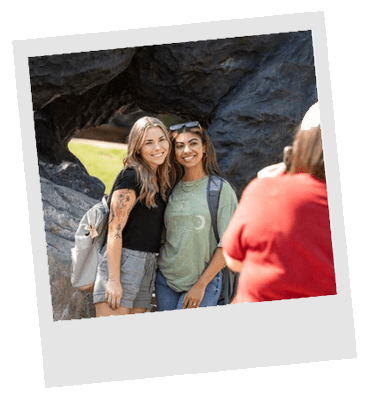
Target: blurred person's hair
{"points": [[307, 149], [287, 157]]}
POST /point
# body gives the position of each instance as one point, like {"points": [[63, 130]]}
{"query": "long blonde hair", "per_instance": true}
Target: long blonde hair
{"points": [[164, 173], [307, 149]]}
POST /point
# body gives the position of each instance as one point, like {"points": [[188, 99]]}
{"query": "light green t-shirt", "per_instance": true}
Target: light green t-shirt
{"points": [[190, 241]]}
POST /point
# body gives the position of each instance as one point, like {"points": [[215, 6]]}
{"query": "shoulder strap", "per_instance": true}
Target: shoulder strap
{"points": [[106, 202], [213, 189]]}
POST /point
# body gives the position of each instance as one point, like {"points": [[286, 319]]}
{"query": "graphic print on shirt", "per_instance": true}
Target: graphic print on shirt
{"points": [[202, 223], [189, 220], [190, 215]]}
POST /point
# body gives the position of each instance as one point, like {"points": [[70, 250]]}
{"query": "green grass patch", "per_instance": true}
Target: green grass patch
{"points": [[104, 163]]}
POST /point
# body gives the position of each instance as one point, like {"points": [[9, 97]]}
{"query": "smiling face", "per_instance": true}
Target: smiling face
{"points": [[189, 150], [155, 147]]}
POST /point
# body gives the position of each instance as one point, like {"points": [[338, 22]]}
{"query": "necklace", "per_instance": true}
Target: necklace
{"points": [[191, 186]]}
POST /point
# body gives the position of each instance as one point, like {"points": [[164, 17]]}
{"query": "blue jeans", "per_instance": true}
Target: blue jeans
{"points": [[168, 299]]}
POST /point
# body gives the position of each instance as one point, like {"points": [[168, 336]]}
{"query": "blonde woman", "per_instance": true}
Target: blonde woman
{"points": [[125, 277]]}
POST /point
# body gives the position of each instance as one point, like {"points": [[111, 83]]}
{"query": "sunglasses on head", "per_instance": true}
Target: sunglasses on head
{"points": [[191, 124]]}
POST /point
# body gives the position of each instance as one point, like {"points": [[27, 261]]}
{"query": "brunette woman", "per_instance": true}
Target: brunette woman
{"points": [[125, 277], [280, 237], [191, 260]]}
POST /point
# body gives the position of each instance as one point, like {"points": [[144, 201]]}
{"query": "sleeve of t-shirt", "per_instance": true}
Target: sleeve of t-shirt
{"points": [[127, 179], [232, 237], [235, 237], [227, 206]]}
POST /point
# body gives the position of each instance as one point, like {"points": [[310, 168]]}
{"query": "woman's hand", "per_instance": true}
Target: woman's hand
{"points": [[194, 296], [272, 171], [233, 264], [113, 293]]}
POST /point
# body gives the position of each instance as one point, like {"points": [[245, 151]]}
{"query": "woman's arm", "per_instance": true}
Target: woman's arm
{"points": [[121, 204], [195, 295], [272, 171]]}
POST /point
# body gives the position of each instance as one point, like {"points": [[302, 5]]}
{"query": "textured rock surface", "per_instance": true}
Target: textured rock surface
{"points": [[56, 123], [258, 118], [74, 74], [63, 208], [73, 175], [192, 79]]}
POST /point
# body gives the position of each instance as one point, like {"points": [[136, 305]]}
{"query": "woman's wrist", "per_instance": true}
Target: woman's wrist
{"points": [[202, 283], [114, 278]]}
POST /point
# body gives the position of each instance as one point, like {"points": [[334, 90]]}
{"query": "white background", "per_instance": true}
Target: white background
{"points": [[347, 36]]}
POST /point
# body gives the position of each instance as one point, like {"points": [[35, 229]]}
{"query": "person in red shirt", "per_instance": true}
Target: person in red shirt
{"points": [[279, 237]]}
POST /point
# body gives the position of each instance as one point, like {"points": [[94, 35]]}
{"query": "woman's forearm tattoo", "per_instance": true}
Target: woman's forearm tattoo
{"points": [[120, 207], [118, 233], [111, 215]]}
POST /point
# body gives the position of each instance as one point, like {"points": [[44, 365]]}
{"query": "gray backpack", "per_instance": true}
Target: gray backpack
{"points": [[90, 240], [90, 243]]}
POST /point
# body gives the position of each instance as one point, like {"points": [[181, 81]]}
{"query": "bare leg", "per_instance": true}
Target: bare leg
{"points": [[104, 310]]}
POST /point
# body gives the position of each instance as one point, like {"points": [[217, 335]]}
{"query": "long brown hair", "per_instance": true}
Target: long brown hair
{"points": [[165, 174], [209, 159], [307, 153]]}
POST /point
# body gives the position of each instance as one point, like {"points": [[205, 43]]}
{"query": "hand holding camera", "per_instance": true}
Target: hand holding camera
{"points": [[274, 170]]}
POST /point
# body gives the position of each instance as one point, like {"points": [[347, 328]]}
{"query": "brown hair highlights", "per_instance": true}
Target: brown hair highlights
{"points": [[307, 153]]}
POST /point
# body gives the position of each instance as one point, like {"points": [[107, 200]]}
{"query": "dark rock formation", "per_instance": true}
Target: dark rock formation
{"points": [[257, 119], [63, 208], [74, 74], [73, 175], [105, 133], [69, 92], [192, 79]]}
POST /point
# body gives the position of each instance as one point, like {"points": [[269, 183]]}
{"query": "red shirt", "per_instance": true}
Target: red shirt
{"points": [[281, 233]]}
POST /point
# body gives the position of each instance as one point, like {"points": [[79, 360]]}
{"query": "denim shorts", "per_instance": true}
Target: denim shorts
{"points": [[137, 275]]}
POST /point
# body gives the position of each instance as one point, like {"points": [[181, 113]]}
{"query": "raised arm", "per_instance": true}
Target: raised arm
{"points": [[272, 171], [121, 205]]}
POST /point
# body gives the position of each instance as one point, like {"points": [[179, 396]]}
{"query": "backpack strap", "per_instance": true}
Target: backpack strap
{"points": [[106, 201], [229, 278], [213, 190]]}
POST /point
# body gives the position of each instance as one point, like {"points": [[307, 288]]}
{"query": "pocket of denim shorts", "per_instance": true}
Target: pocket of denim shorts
{"points": [[147, 282], [132, 270], [152, 283], [123, 259]]}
